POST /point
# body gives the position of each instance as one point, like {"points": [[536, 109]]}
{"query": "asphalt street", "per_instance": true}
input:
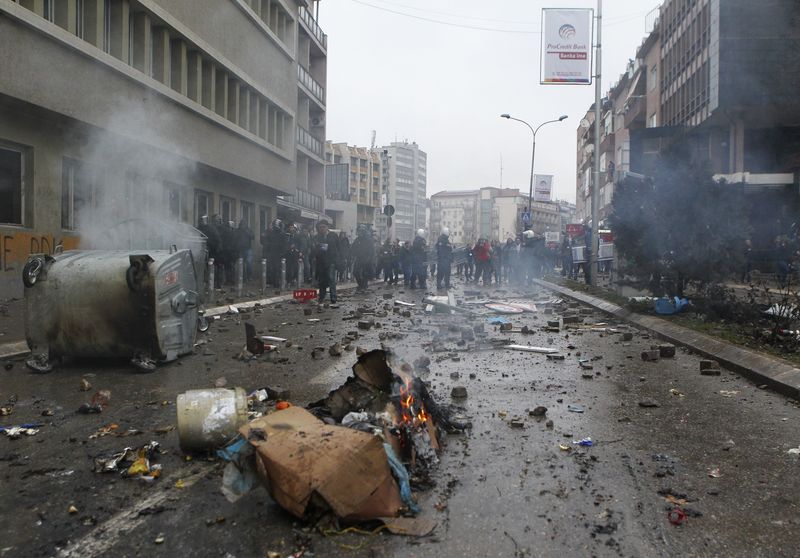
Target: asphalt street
{"points": [[717, 446]]}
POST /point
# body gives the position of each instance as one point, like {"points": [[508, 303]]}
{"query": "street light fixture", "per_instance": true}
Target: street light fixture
{"points": [[533, 152]]}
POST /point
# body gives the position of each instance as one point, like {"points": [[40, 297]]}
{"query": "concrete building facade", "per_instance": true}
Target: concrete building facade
{"points": [[352, 185], [171, 109], [406, 174]]}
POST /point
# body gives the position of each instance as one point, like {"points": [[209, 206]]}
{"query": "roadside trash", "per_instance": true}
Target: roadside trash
{"points": [[652, 355], [239, 476], [524, 306], [403, 303], [529, 349], [564, 447], [72, 510], [209, 418], [134, 462], [728, 393], [666, 351], [794, 451], [100, 401], [782, 310], [586, 443], [258, 344], [555, 357], [104, 431], [85, 385], [39, 363], [648, 403], [575, 408], [517, 422], [304, 295], [498, 320], [232, 309], [676, 516], [666, 306], [160, 538], [220, 382], [5, 411], [714, 473], [14, 432], [504, 308], [676, 392], [282, 405]]}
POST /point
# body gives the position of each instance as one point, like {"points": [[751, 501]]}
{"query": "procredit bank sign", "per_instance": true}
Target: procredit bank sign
{"points": [[566, 46]]}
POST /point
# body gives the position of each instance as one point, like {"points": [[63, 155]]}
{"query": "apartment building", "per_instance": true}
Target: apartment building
{"points": [[492, 213], [168, 109], [406, 167], [353, 185]]}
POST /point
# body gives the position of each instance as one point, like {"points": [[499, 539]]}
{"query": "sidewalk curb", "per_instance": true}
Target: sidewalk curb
{"points": [[20, 348], [777, 374]]}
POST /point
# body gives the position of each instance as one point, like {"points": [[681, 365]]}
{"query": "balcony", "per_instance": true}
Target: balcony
{"points": [[636, 112], [306, 200], [309, 142], [607, 144], [313, 28], [312, 86]]}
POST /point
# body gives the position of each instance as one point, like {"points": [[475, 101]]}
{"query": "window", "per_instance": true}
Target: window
{"points": [[77, 194], [249, 214], [175, 202], [79, 18], [227, 209], [652, 122], [12, 185], [107, 25], [49, 10], [203, 205]]}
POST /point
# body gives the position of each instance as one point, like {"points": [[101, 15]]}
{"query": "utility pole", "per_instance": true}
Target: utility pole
{"points": [[598, 113]]}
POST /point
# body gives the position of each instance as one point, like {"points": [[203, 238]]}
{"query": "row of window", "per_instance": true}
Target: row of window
{"points": [[126, 31], [676, 57], [689, 99]]}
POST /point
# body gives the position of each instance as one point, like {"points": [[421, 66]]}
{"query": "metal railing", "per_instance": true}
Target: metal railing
{"points": [[306, 199], [308, 141], [314, 27], [304, 77]]}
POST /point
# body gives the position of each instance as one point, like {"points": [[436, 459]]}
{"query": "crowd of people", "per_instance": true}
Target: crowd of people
{"points": [[323, 256]]}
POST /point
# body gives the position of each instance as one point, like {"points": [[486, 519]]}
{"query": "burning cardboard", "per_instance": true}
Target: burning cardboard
{"points": [[308, 466]]}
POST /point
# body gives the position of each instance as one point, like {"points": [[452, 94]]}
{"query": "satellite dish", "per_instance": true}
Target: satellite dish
{"points": [[585, 123]]}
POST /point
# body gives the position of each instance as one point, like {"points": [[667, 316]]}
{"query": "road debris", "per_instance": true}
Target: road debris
{"points": [[530, 349], [209, 418]]}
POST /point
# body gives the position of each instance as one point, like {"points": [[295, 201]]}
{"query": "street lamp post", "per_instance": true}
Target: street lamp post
{"points": [[533, 153]]}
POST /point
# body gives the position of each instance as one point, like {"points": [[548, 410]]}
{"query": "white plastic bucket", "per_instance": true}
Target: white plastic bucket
{"points": [[210, 418]]}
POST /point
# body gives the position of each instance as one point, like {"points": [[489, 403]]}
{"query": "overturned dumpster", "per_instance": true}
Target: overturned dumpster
{"points": [[141, 306]]}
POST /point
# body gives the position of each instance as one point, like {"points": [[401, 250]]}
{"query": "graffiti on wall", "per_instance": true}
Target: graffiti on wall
{"points": [[15, 247]]}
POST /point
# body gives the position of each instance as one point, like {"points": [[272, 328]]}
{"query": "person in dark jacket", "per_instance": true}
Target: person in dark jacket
{"points": [[386, 257], [326, 259], [444, 259], [363, 253], [419, 253], [244, 245], [274, 244], [405, 262], [345, 258]]}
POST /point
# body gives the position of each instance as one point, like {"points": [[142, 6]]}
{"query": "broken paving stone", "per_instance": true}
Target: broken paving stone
{"points": [[549, 424], [220, 382], [572, 319], [454, 375], [365, 324], [517, 422], [539, 411], [627, 336], [458, 392], [709, 365], [666, 350], [648, 403], [711, 372], [278, 393], [651, 356]]}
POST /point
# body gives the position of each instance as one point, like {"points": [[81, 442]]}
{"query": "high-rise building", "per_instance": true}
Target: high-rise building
{"points": [[407, 168], [352, 185], [173, 109]]}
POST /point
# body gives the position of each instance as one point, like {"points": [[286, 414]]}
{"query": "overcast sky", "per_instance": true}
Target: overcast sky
{"points": [[445, 86]]}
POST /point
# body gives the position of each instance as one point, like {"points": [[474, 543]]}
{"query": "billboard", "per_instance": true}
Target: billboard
{"points": [[566, 46], [542, 187]]}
